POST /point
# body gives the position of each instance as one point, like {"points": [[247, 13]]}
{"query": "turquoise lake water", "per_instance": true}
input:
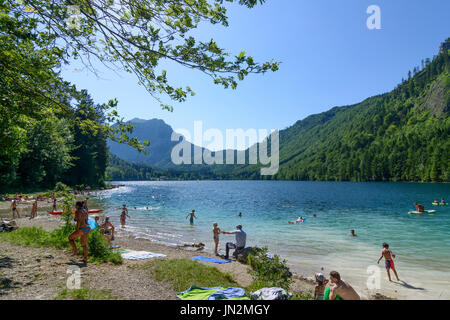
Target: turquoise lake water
{"points": [[377, 211]]}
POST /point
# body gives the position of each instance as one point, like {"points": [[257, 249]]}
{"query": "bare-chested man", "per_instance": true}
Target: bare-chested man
{"points": [[342, 288], [81, 231], [389, 262], [14, 209]]}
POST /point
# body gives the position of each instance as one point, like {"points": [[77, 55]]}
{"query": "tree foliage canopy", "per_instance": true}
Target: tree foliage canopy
{"points": [[50, 130]]}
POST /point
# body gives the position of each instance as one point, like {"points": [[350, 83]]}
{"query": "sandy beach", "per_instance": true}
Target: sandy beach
{"points": [[40, 273]]}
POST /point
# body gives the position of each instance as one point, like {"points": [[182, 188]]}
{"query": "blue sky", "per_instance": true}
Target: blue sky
{"points": [[329, 58]]}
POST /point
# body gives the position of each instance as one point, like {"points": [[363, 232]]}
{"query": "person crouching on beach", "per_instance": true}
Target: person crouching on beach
{"points": [[216, 232], [388, 259], [241, 238], [319, 290], [81, 231]]}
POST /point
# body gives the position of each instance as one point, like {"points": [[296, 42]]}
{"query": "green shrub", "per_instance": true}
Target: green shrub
{"points": [[61, 187], [99, 249], [268, 272]]}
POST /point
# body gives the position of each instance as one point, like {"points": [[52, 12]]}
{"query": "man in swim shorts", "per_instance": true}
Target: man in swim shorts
{"points": [[81, 231], [342, 288], [388, 259]]}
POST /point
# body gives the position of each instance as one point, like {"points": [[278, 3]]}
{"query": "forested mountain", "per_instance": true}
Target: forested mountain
{"points": [[402, 135]]}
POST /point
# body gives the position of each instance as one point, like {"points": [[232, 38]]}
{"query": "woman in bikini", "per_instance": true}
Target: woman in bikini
{"points": [[14, 209], [81, 231]]}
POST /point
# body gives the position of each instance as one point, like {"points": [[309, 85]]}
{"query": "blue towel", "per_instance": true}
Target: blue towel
{"points": [[201, 258], [228, 293]]}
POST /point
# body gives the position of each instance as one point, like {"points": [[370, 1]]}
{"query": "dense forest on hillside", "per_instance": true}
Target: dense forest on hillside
{"points": [[399, 136], [121, 170], [402, 135]]}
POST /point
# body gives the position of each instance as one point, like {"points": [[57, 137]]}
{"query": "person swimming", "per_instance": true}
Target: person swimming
{"points": [[299, 220]]}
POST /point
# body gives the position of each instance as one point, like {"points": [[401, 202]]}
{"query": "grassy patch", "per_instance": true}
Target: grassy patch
{"points": [[183, 273], [36, 237], [85, 294]]}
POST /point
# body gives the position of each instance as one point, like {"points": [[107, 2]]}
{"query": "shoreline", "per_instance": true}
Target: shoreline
{"points": [[126, 241]]}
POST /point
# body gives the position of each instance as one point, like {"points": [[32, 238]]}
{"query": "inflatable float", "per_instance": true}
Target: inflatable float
{"points": [[426, 211], [58, 213]]}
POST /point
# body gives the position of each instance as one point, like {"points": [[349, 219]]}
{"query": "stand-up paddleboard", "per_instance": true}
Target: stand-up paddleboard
{"points": [[60, 212], [426, 211], [439, 204]]}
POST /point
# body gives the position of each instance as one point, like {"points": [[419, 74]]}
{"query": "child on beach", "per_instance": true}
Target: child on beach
{"points": [[216, 232], [389, 262], [319, 290], [34, 209]]}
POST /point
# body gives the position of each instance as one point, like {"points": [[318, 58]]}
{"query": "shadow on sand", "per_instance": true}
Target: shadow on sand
{"points": [[407, 285]]}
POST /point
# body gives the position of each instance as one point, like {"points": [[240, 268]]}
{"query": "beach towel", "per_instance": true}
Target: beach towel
{"points": [[140, 255], [207, 259], [229, 294], [271, 294], [214, 293]]}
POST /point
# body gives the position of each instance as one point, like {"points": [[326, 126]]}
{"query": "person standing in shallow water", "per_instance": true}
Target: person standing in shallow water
{"points": [[123, 217], [192, 216], [81, 231]]}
